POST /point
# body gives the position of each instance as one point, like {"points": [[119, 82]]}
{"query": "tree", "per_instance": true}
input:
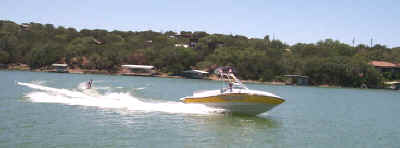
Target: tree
{"points": [[326, 62], [43, 56], [172, 59], [4, 57], [342, 71]]}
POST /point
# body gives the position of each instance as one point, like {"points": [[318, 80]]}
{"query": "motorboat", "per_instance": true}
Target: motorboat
{"points": [[234, 96], [393, 85]]}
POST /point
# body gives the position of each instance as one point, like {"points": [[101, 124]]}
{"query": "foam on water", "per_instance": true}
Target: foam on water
{"points": [[117, 100], [140, 88]]}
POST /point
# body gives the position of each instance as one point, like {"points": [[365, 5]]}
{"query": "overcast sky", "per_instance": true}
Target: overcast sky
{"points": [[306, 21]]}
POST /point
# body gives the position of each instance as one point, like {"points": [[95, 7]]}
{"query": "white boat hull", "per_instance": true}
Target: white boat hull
{"points": [[247, 102], [242, 108]]}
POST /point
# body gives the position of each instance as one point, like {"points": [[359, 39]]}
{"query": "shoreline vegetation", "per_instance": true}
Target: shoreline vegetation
{"points": [[23, 67], [35, 47]]}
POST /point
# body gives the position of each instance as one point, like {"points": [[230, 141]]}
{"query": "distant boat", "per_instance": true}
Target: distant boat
{"points": [[393, 85], [236, 97], [60, 68], [195, 74], [138, 70]]}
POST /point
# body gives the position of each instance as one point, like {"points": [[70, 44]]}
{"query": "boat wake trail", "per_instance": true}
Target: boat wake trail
{"points": [[116, 100]]}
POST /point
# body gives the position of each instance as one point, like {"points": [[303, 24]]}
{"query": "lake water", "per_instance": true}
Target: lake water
{"points": [[52, 110]]}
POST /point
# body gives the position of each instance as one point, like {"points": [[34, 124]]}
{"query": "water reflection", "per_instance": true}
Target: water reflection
{"points": [[234, 130], [243, 121]]}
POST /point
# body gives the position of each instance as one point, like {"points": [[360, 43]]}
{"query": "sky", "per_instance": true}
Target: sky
{"points": [[291, 21]]}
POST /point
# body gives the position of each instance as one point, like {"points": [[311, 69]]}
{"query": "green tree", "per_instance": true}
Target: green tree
{"points": [[4, 57], [42, 56]]}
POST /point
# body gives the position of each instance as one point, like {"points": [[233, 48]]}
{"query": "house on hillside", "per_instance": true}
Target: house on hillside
{"points": [[97, 41], [148, 43], [25, 26], [384, 66], [193, 42]]}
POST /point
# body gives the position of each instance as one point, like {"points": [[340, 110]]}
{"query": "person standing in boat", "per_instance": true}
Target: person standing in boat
{"points": [[90, 84], [230, 82], [230, 86]]}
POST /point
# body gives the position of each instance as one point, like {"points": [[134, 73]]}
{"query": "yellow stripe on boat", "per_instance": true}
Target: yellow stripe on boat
{"points": [[235, 98]]}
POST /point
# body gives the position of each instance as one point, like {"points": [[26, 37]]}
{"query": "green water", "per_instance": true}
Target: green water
{"points": [[52, 110]]}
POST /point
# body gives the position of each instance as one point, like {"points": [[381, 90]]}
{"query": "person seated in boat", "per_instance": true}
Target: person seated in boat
{"points": [[90, 84]]}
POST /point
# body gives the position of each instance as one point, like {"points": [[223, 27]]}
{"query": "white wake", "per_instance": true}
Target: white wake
{"points": [[90, 97]]}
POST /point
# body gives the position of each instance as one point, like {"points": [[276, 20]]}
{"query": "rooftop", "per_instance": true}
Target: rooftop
{"points": [[138, 66], [383, 64], [59, 65]]}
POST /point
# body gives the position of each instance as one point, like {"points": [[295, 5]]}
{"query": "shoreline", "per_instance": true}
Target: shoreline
{"points": [[24, 67], [104, 72], [160, 75]]}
